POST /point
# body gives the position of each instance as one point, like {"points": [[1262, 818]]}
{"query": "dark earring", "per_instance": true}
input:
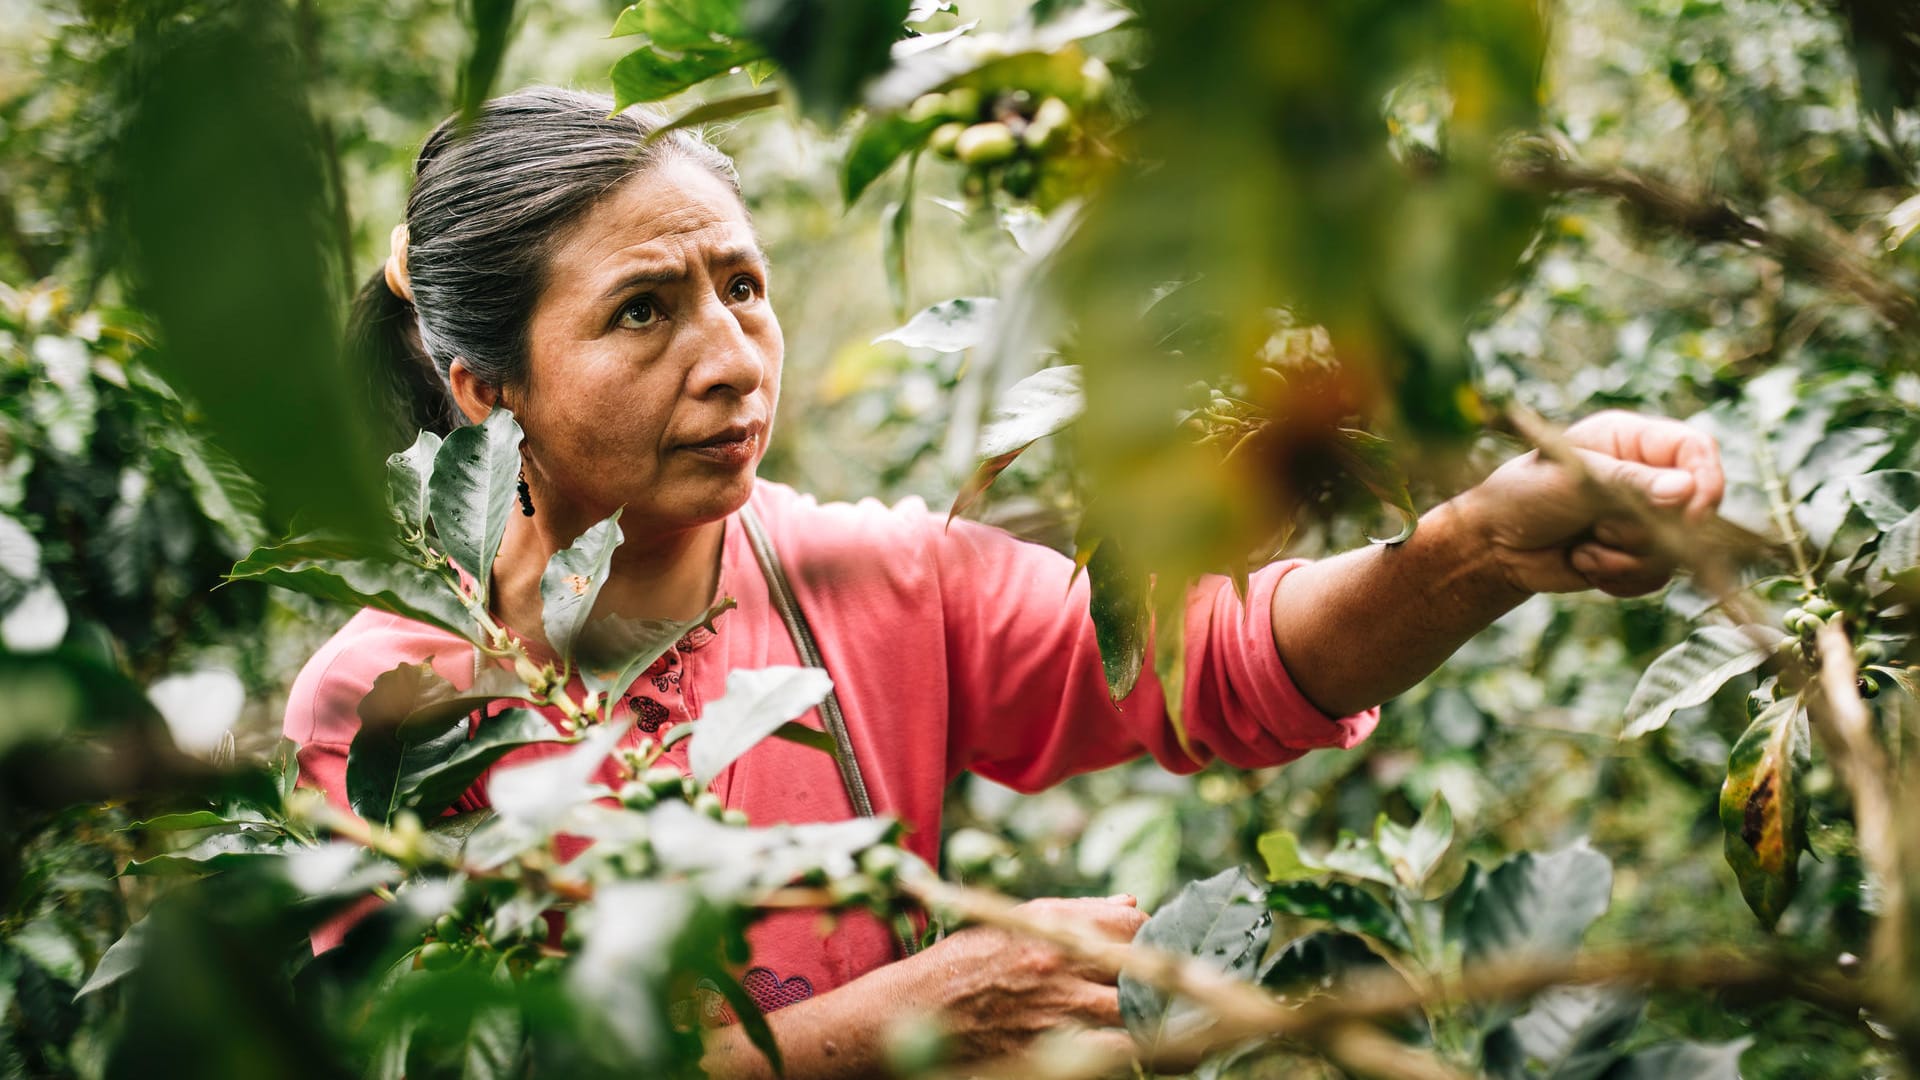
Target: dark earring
{"points": [[526, 497]]}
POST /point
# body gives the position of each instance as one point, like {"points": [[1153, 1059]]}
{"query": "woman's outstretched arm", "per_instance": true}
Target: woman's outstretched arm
{"points": [[1357, 629]]}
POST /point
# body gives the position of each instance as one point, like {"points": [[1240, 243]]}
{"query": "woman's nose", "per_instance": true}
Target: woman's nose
{"points": [[727, 356]]}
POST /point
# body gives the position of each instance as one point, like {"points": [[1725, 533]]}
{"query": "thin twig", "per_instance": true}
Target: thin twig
{"points": [[1826, 254], [1845, 725]]}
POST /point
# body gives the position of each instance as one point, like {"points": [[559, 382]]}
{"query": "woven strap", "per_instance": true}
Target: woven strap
{"points": [[784, 600]]}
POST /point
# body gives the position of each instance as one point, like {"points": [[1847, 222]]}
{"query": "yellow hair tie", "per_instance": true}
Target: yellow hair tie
{"points": [[397, 279]]}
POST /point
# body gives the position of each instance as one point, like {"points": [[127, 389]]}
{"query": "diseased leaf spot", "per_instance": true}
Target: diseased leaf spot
{"points": [[1760, 810], [578, 583]]}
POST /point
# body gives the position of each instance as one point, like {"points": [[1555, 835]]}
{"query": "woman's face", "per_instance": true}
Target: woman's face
{"points": [[655, 357]]}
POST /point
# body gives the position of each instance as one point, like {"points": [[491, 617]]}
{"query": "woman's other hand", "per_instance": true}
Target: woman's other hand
{"points": [[1548, 532], [991, 991], [994, 991]]}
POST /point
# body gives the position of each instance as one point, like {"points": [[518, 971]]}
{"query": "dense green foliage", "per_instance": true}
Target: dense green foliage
{"points": [[1177, 288]]}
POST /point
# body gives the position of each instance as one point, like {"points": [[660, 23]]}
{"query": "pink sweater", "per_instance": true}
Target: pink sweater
{"points": [[952, 649]]}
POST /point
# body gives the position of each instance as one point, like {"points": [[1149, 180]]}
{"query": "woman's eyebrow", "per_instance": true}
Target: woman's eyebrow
{"points": [[671, 274]]}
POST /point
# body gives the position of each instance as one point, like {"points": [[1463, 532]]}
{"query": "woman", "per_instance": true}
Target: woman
{"points": [[610, 291]]}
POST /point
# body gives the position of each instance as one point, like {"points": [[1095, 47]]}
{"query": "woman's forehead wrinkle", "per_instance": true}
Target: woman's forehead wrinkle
{"points": [[676, 255]]}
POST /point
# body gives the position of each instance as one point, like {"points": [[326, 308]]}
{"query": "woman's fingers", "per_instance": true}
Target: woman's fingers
{"points": [[1099, 1005], [1619, 573]]}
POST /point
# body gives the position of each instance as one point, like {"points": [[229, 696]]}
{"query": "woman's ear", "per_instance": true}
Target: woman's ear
{"points": [[475, 396]]}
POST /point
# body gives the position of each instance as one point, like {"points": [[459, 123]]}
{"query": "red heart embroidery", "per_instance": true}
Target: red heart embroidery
{"points": [[770, 992]]}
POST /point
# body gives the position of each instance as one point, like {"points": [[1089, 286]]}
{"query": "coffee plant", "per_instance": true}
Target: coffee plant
{"points": [[1178, 287]]}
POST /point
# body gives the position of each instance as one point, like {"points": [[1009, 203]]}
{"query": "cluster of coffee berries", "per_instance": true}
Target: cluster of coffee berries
{"points": [[1004, 139], [1804, 623]]}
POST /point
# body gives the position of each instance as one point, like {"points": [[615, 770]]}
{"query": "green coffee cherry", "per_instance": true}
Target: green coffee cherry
{"points": [[963, 103], [927, 107], [1823, 607], [1868, 652], [970, 851], [985, 144], [945, 138], [438, 956], [1800, 621], [635, 795], [854, 891], [1869, 685], [1048, 126], [665, 780], [734, 816], [709, 804], [446, 928]]}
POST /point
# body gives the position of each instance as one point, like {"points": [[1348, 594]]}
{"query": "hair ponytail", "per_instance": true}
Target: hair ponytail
{"points": [[405, 391]]}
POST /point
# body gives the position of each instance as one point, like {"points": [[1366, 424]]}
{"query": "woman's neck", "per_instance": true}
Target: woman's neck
{"points": [[655, 575]]}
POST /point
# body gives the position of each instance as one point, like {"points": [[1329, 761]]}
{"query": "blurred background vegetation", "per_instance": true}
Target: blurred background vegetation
{"points": [[117, 516]]}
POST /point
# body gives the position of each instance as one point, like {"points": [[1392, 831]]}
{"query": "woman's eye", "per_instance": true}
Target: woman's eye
{"points": [[743, 289], [639, 314]]}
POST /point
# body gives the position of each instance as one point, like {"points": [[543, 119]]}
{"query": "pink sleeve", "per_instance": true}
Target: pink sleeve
{"points": [[1029, 703]]}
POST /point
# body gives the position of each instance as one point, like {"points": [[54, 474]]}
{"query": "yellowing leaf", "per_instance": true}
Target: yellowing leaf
{"points": [[1761, 811]]}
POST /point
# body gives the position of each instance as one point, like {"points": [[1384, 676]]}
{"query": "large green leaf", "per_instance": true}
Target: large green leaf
{"points": [[417, 695], [681, 25], [572, 582], [1885, 496], [1762, 812], [647, 74], [1415, 852], [120, 958], [1343, 907], [1219, 922], [221, 851], [1534, 904], [828, 50], [1569, 1033], [754, 705], [360, 576], [472, 490], [1042, 404], [1122, 616], [950, 326], [407, 474], [880, 142], [1693, 671], [230, 225], [425, 766], [1316, 961], [492, 23], [613, 650], [1692, 1060]]}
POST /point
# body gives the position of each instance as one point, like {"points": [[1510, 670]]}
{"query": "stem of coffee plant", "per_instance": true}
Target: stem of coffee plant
{"points": [[1824, 251], [1846, 728]]}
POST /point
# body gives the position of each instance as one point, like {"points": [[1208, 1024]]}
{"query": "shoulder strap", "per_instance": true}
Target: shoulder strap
{"points": [[781, 591], [783, 599]]}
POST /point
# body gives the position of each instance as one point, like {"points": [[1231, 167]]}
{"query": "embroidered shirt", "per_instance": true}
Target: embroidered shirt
{"points": [[952, 648]]}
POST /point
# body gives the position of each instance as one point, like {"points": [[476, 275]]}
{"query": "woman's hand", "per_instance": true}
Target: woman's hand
{"points": [[1359, 628], [1550, 535], [993, 992]]}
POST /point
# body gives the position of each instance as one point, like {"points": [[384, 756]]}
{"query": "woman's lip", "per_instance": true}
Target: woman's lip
{"points": [[731, 451]]}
